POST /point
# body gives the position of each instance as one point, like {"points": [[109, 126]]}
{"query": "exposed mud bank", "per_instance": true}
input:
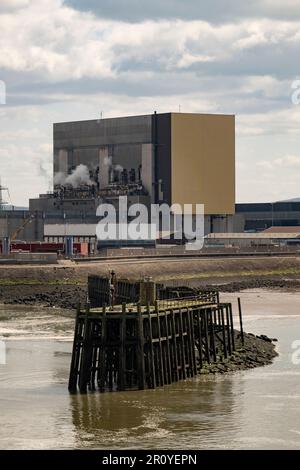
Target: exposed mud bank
{"points": [[66, 284]]}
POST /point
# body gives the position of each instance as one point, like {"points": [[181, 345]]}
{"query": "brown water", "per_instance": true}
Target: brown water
{"points": [[259, 408]]}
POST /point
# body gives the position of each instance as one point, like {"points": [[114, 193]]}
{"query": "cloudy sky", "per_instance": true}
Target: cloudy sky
{"points": [[73, 59]]}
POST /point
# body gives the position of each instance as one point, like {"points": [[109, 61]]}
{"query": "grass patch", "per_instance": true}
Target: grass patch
{"points": [[225, 274]]}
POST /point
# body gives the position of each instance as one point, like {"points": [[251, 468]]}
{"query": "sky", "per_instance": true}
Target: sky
{"points": [[75, 59]]}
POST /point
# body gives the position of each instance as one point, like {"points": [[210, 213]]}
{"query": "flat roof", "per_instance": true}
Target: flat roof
{"points": [[141, 116], [295, 229], [256, 235]]}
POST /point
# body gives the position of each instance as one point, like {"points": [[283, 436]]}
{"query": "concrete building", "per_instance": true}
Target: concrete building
{"points": [[264, 239], [179, 158], [160, 158], [256, 217]]}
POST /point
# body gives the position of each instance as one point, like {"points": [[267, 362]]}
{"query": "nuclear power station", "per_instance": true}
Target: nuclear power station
{"points": [[172, 158]]}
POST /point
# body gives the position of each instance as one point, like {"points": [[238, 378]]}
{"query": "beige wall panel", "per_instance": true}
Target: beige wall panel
{"points": [[203, 161]]}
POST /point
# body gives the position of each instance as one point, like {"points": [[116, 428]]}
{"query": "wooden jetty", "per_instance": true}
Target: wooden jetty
{"points": [[149, 344]]}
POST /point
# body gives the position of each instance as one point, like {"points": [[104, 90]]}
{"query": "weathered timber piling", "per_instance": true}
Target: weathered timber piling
{"points": [[150, 343]]}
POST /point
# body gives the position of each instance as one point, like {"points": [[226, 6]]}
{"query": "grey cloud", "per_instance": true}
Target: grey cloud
{"points": [[214, 11], [231, 93]]}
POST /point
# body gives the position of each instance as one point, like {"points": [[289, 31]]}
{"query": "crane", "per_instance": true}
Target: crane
{"points": [[22, 226]]}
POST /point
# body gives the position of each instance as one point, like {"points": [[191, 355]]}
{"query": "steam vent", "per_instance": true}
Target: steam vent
{"points": [[138, 335]]}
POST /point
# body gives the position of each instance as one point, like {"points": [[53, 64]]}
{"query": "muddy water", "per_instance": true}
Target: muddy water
{"points": [[259, 408]]}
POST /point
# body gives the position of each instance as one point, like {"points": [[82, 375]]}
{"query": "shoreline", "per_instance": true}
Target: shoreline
{"points": [[65, 286], [257, 351], [68, 294]]}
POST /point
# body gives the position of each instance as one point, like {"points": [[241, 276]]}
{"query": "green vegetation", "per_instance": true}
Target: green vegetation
{"points": [[224, 274]]}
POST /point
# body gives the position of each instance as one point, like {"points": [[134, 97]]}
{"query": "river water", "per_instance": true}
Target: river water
{"points": [[258, 408]]}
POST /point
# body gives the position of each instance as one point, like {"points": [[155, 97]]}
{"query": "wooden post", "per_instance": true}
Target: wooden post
{"points": [[160, 356], [174, 342], [169, 367], [141, 358], [206, 336], [223, 331], [189, 343], [102, 355], [231, 326], [212, 335], [199, 327], [152, 363], [122, 349], [75, 355], [183, 369], [194, 365], [228, 330], [86, 355], [241, 320], [94, 355]]}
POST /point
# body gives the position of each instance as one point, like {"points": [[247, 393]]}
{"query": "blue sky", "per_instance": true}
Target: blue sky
{"points": [[72, 60]]}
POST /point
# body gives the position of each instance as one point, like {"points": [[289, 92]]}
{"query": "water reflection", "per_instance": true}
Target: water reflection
{"points": [[181, 410], [252, 409]]}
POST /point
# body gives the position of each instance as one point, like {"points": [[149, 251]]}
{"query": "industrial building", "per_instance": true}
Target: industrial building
{"points": [[256, 217], [160, 158], [177, 158], [173, 158], [272, 239]]}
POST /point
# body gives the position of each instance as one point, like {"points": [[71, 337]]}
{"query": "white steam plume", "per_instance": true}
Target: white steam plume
{"points": [[59, 178], [79, 176]]}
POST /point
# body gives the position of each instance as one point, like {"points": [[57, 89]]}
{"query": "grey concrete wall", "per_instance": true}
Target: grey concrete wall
{"points": [[29, 258], [147, 171], [99, 132]]}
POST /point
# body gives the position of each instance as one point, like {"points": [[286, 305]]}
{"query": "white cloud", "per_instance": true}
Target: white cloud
{"points": [[241, 66], [265, 164], [8, 5], [285, 162], [57, 42], [292, 161], [281, 122]]}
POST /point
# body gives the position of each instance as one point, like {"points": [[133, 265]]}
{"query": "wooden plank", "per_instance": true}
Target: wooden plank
{"points": [[183, 361], [175, 374], [151, 350], [206, 339], [141, 358]]}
